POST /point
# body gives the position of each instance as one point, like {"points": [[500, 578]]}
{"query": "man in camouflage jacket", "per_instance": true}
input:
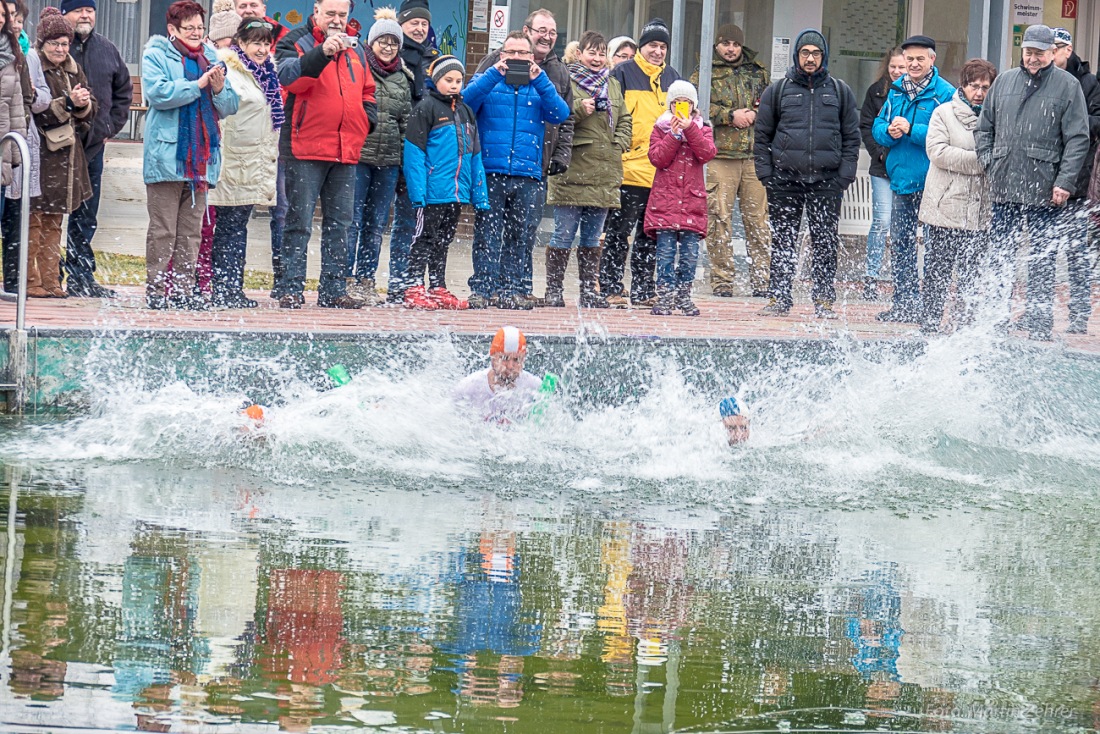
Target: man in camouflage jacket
{"points": [[736, 85]]}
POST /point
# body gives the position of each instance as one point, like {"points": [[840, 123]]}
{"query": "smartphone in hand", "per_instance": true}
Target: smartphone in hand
{"points": [[682, 109]]}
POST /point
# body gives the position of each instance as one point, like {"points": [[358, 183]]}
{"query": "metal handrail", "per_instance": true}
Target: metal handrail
{"points": [[17, 340]]}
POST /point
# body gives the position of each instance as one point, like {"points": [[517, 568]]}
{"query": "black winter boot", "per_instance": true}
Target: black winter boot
{"points": [[684, 302]]}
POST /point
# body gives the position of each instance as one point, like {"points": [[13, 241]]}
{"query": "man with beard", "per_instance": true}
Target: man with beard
{"points": [[109, 80], [503, 392]]}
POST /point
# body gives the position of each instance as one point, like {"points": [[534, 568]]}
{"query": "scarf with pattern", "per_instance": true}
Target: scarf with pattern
{"points": [[913, 89], [267, 77], [198, 141], [594, 83]]}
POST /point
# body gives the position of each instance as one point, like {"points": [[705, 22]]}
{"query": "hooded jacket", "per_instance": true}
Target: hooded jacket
{"points": [[1033, 135], [442, 154], [734, 86], [678, 200], [807, 131], [330, 104], [558, 143], [645, 90], [907, 161], [109, 82], [165, 91], [1090, 87], [512, 121]]}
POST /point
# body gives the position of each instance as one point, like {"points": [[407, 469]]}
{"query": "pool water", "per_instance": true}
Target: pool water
{"points": [[908, 543]]}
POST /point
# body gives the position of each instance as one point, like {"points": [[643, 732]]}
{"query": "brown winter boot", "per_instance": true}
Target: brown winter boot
{"points": [[557, 260], [588, 265]]}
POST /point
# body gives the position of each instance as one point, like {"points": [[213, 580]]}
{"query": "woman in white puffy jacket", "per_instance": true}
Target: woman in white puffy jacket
{"points": [[250, 150], [956, 207]]}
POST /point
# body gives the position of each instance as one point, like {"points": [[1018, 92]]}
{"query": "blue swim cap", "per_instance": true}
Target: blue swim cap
{"points": [[729, 407]]}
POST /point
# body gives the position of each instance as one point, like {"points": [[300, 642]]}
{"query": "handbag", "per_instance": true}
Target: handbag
{"points": [[60, 137]]}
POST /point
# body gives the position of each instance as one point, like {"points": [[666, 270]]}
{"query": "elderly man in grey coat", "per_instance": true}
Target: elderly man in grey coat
{"points": [[1032, 139]]}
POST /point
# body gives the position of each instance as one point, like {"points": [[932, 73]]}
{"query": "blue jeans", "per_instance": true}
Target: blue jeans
{"points": [[79, 258], [230, 246], [677, 254], [534, 218], [882, 202], [401, 239], [567, 219], [502, 234], [1043, 224], [334, 183], [278, 223], [375, 187], [903, 251]]}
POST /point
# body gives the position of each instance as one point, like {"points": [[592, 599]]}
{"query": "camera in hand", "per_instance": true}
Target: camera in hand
{"points": [[603, 104], [519, 72], [351, 41]]}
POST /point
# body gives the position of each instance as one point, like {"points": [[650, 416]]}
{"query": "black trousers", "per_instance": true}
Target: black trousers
{"points": [[643, 258], [436, 225], [9, 230], [946, 251], [785, 213]]}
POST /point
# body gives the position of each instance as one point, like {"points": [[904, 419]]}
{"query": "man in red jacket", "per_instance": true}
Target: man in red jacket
{"points": [[329, 110]]}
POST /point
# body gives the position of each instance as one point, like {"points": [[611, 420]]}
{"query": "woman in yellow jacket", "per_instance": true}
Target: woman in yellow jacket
{"points": [[644, 81]]}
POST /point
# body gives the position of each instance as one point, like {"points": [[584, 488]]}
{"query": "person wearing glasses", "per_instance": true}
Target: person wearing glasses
{"points": [[63, 171], [806, 149], [541, 29], [330, 108], [380, 158], [955, 208], [109, 82], [1077, 241], [250, 144], [621, 48], [185, 89], [901, 128]]}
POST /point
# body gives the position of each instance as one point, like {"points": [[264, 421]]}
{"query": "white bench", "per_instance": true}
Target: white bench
{"points": [[856, 207]]}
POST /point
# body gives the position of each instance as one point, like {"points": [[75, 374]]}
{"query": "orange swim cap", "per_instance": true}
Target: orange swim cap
{"points": [[508, 340], [255, 412]]}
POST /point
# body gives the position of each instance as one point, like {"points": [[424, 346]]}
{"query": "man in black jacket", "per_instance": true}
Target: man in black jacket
{"points": [[110, 84], [806, 150], [1077, 240]]}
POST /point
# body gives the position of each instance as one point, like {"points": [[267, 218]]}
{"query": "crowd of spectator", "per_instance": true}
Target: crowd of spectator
{"points": [[381, 127]]}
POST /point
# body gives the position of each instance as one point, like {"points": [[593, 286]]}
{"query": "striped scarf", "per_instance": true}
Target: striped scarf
{"points": [[913, 89], [198, 140], [593, 83], [268, 78]]}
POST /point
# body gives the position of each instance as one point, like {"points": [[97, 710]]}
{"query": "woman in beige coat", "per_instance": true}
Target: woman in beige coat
{"points": [[955, 210], [250, 149]]}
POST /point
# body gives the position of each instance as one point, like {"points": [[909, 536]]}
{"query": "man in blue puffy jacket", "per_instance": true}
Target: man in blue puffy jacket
{"points": [[511, 121], [901, 127]]}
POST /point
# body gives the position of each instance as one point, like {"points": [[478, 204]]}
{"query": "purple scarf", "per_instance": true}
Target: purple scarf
{"points": [[268, 78], [594, 83]]}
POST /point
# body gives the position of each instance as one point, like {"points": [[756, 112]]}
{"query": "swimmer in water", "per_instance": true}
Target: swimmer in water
{"points": [[736, 424], [504, 392]]}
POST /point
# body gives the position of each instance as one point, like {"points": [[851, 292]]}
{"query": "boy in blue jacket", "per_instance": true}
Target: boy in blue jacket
{"points": [[441, 138]]}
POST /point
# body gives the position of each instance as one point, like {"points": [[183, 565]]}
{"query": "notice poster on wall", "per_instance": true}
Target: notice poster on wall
{"points": [[498, 25], [479, 21], [781, 56], [1027, 12]]}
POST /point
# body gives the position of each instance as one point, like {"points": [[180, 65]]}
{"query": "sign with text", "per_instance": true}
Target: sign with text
{"points": [[498, 25], [781, 56], [479, 22], [1027, 12]]}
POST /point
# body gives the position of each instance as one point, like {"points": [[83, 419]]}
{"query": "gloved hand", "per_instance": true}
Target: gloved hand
{"points": [[557, 168]]}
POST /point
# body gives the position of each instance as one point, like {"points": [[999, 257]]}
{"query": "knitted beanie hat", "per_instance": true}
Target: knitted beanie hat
{"points": [[444, 64], [223, 20], [385, 24], [414, 9], [681, 89], [52, 25], [730, 32], [655, 30]]}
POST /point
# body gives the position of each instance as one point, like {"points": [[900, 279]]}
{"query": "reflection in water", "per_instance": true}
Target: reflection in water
{"points": [[538, 615]]}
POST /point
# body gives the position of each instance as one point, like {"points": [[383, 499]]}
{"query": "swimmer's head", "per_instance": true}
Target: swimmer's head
{"points": [[255, 412], [736, 424], [507, 354]]}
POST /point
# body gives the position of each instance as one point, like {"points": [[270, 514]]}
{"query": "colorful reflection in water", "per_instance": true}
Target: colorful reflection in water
{"points": [[213, 602]]}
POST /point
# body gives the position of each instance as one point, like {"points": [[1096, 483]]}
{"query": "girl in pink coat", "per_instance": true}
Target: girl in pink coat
{"points": [[676, 215]]}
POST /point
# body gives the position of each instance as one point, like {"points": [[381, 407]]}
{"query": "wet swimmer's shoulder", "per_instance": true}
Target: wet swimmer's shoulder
{"points": [[734, 421]]}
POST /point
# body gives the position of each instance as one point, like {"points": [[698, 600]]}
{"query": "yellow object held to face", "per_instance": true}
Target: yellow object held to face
{"points": [[682, 109]]}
